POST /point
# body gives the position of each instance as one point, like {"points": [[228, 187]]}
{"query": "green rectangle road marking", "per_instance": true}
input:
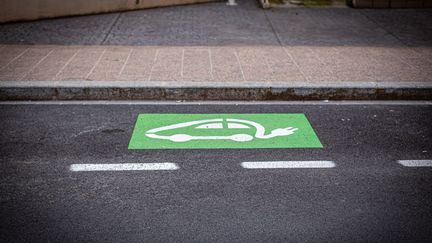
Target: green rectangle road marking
{"points": [[216, 131]]}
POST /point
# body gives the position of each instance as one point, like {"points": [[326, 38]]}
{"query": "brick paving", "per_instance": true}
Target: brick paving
{"points": [[230, 64], [213, 42]]}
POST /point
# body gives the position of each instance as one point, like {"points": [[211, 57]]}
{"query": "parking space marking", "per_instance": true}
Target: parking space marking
{"points": [[415, 163], [123, 167], [223, 131], [288, 164], [312, 164]]}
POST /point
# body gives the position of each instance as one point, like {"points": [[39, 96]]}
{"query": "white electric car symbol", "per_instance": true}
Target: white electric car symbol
{"points": [[219, 124]]}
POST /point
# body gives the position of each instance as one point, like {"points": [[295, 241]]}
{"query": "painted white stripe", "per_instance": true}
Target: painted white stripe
{"points": [[123, 167], [416, 163], [248, 103], [287, 164]]}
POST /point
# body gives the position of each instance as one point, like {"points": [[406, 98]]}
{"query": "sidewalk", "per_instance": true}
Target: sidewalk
{"points": [[330, 53]]}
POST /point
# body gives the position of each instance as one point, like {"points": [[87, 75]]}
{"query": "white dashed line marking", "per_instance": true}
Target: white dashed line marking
{"points": [[123, 167], [288, 164], [415, 163]]}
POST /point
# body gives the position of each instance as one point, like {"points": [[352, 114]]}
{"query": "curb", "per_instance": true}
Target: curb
{"points": [[201, 91]]}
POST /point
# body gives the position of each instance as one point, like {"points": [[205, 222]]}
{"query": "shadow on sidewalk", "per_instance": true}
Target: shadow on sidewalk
{"points": [[215, 24]]}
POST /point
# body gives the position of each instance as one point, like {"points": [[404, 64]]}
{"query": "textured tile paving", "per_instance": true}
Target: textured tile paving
{"points": [[202, 63], [213, 42]]}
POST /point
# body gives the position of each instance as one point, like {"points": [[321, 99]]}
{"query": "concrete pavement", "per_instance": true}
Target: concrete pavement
{"points": [[220, 64], [212, 43]]}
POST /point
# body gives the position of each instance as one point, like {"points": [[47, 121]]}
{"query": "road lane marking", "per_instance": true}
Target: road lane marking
{"points": [[180, 103], [288, 164], [415, 163], [123, 167]]}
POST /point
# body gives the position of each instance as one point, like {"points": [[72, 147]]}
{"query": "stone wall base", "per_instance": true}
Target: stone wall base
{"points": [[392, 3]]}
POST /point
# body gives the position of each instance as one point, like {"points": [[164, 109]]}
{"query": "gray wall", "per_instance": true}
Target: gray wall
{"points": [[15, 10]]}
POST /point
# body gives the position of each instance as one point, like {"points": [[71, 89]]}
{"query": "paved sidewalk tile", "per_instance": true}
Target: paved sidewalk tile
{"points": [[226, 65], [110, 64], [389, 66], [52, 65], [139, 64], [229, 64], [213, 42], [23, 64], [253, 64], [81, 64], [350, 64], [424, 51], [10, 53], [313, 66], [167, 65], [282, 65], [197, 65]]}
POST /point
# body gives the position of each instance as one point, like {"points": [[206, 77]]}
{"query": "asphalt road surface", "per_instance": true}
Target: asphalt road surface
{"points": [[375, 185]]}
